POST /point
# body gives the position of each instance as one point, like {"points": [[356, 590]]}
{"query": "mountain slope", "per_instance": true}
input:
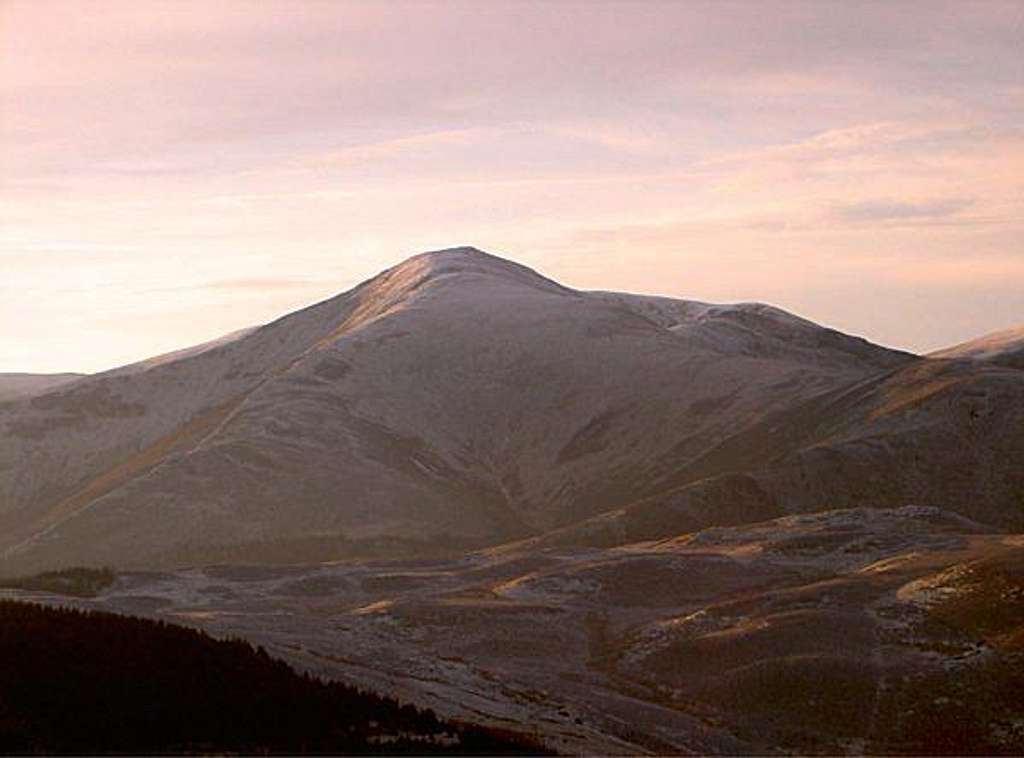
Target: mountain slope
{"points": [[935, 432], [456, 399]]}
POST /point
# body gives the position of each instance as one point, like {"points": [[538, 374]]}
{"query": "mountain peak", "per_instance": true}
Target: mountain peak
{"points": [[465, 251], [465, 262], [452, 258]]}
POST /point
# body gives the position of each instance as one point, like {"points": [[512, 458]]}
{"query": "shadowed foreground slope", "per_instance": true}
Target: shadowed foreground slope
{"points": [[75, 682]]}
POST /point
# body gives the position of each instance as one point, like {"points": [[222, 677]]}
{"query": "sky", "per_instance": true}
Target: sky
{"points": [[172, 171]]}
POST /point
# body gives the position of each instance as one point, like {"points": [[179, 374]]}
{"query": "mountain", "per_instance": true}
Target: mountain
{"points": [[14, 385], [460, 400]]}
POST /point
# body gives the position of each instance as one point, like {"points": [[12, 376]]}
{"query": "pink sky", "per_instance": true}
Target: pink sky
{"points": [[173, 171]]}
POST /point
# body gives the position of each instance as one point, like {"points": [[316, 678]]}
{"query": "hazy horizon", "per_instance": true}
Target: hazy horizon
{"points": [[174, 171]]}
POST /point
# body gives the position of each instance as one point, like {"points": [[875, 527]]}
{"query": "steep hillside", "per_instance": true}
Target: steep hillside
{"points": [[455, 400]]}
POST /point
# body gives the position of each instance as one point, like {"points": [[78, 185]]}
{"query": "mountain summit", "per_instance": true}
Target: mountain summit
{"points": [[459, 400]]}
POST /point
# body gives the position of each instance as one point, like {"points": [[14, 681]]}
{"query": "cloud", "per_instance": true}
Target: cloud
{"points": [[875, 211], [750, 149]]}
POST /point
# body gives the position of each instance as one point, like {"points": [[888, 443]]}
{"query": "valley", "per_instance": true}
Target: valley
{"points": [[867, 630]]}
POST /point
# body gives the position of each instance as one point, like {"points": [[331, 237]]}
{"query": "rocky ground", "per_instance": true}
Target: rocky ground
{"points": [[837, 632]]}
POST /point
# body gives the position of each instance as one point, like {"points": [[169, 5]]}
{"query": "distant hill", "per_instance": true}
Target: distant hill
{"points": [[14, 386], [89, 682], [1005, 347]]}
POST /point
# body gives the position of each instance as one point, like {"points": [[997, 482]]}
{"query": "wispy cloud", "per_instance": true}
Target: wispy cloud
{"points": [[874, 211]]}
